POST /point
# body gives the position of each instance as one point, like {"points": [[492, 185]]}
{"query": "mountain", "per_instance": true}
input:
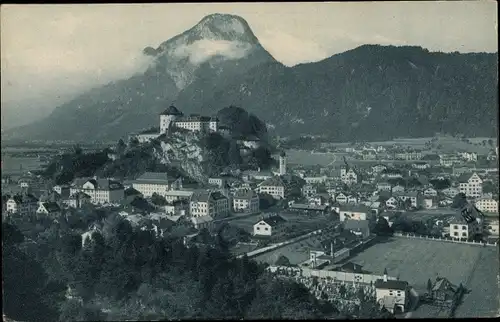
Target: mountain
{"points": [[370, 92], [218, 48], [373, 92]]}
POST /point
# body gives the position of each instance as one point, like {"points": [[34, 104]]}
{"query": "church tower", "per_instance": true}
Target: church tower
{"points": [[282, 163], [169, 116]]}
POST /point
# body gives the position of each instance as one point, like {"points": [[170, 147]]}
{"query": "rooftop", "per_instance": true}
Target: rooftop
{"points": [[274, 220], [51, 207], [391, 284], [171, 110], [153, 178], [245, 194]]}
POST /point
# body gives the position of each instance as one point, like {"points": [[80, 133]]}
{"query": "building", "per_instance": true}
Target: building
{"points": [[101, 191], [450, 192], [156, 182], [246, 201], [62, 190], [398, 189], [348, 176], [376, 169], [270, 226], [449, 161], [354, 213], [315, 180], [421, 165], [340, 198], [78, 199], [217, 181], [282, 163], [173, 195], [359, 228], [469, 156], [415, 198], [391, 173], [462, 229], [384, 186], [172, 117], [430, 192], [393, 295], [442, 292], [471, 185], [207, 203], [308, 190], [202, 222], [309, 208], [393, 203], [491, 226], [49, 208], [177, 208], [430, 203], [24, 204], [487, 205], [275, 186], [411, 155]]}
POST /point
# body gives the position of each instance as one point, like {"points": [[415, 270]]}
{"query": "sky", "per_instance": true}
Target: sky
{"points": [[51, 52]]}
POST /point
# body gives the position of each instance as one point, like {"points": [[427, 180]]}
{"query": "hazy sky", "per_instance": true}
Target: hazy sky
{"points": [[55, 50]]}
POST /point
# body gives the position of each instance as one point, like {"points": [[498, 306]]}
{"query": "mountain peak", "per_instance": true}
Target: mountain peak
{"points": [[226, 27]]}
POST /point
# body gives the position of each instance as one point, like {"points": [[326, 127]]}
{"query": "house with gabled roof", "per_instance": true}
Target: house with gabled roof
{"points": [[471, 185], [246, 200], [270, 226], [209, 203], [443, 292], [275, 186], [101, 191], [49, 208], [77, 200], [394, 295]]}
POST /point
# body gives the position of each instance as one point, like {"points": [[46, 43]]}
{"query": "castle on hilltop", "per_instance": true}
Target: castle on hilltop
{"points": [[172, 117]]}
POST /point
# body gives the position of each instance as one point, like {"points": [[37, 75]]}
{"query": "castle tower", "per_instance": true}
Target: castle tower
{"points": [[282, 163], [167, 117]]}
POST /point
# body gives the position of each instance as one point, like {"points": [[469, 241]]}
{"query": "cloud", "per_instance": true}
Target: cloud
{"points": [[291, 50], [202, 50]]}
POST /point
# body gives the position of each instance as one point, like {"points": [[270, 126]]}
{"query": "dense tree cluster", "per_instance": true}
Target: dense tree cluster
{"points": [[123, 273], [63, 169]]}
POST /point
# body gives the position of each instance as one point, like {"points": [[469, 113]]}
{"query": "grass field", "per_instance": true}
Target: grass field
{"points": [[416, 261]]}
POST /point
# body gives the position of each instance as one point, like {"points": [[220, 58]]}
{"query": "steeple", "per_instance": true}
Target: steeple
{"points": [[385, 274]]}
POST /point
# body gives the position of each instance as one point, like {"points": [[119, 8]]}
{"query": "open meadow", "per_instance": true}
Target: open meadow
{"points": [[416, 261]]}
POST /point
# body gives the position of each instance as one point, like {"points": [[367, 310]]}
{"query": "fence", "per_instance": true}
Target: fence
{"points": [[335, 276], [477, 243]]}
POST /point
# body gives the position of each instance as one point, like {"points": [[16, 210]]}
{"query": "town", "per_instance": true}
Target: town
{"points": [[382, 227]]}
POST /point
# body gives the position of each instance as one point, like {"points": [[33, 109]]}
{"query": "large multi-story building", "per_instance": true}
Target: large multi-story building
{"points": [[274, 186], [348, 176], [471, 185], [101, 191], [173, 117], [487, 205], [24, 204], [156, 182], [460, 228], [246, 200], [207, 203]]}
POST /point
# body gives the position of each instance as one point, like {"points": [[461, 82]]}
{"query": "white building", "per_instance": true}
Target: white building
{"points": [[282, 163], [207, 203], [341, 198], [348, 176], [173, 117], [384, 186], [450, 192], [463, 229], [415, 197], [469, 156], [315, 180], [274, 186], [246, 200], [487, 205], [156, 182], [270, 226], [101, 191], [25, 204], [217, 181], [393, 203], [354, 213], [393, 295], [376, 169], [430, 192], [174, 195], [471, 185], [202, 222], [49, 208]]}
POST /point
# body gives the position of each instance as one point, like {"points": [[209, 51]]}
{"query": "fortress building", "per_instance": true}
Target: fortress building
{"points": [[173, 117]]}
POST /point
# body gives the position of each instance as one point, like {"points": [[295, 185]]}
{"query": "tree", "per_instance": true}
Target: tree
{"points": [[121, 147], [459, 201], [489, 187], [158, 200], [382, 227]]}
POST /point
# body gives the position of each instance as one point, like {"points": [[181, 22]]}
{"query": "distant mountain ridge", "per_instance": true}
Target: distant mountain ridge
{"points": [[371, 92]]}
